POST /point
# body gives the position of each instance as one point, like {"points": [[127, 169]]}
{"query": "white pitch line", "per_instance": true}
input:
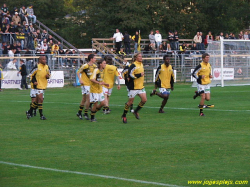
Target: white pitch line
{"points": [[213, 109], [89, 174]]}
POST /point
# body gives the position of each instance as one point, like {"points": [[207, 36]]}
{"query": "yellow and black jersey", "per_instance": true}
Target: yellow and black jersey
{"points": [[97, 75], [86, 71], [32, 76], [136, 81], [125, 74], [202, 69], [164, 77], [110, 72], [39, 74]]}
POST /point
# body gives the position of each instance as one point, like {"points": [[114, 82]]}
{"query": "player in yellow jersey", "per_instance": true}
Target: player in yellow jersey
{"points": [[202, 73], [110, 73], [84, 74], [164, 80], [96, 92], [42, 74], [135, 86]]}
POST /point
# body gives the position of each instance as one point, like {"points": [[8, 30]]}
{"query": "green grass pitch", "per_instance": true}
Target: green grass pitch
{"points": [[167, 149]]}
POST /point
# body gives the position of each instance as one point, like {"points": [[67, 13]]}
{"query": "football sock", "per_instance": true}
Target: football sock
{"points": [[139, 107], [105, 108], [125, 110], [80, 109], [86, 111], [40, 108], [93, 114], [131, 107], [201, 108]]}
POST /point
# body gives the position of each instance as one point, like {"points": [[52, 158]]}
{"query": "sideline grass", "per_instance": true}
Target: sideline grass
{"points": [[170, 148]]}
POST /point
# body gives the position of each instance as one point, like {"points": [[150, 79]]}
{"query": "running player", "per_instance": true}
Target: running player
{"points": [[164, 80]]}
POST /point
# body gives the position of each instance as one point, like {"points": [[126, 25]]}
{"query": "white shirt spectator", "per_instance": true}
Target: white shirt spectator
{"points": [[11, 65], [158, 37], [11, 54], [44, 47], [118, 37]]}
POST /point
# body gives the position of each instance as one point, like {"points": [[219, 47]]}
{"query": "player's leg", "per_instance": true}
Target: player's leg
{"points": [[81, 107], [165, 96], [143, 97], [40, 104], [132, 94], [87, 104]]}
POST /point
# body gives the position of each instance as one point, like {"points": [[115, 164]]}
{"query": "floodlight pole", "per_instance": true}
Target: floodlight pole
{"points": [[221, 59]]}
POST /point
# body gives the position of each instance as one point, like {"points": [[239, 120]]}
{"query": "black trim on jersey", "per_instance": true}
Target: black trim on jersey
{"points": [[194, 74]]}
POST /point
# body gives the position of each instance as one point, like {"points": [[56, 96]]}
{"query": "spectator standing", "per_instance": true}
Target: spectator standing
{"points": [[151, 37], [22, 13], [176, 40], [135, 38], [118, 40], [31, 14], [4, 8], [158, 39], [26, 32], [241, 36], [221, 35], [202, 42], [171, 40], [209, 37], [23, 72], [197, 39], [245, 36], [126, 41]]}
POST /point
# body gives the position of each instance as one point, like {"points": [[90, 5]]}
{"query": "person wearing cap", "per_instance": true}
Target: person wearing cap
{"points": [[30, 13], [16, 18]]}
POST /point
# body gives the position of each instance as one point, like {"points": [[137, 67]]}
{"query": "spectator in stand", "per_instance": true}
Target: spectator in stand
{"points": [[148, 48], [5, 36], [20, 36], [36, 43], [45, 35], [44, 47], [209, 38], [19, 47], [151, 37], [118, 40], [50, 44], [171, 40], [241, 36], [16, 19], [221, 35], [197, 39], [135, 38], [26, 19], [5, 20], [12, 30], [194, 49], [26, 32], [60, 45], [31, 14], [176, 40], [226, 36], [62, 60], [166, 47], [245, 36], [12, 64], [126, 41], [158, 39], [5, 9], [22, 13], [231, 36], [55, 49], [202, 43], [39, 36]]}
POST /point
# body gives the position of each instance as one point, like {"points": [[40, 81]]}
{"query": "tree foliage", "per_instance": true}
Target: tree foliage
{"points": [[99, 18]]}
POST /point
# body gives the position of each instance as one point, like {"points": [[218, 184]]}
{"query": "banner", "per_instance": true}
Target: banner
{"points": [[228, 73], [12, 80]]}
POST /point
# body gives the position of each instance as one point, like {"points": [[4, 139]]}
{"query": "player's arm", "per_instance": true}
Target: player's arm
{"points": [[172, 79], [195, 73], [48, 73], [118, 79], [131, 72], [157, 73], [78, 74]]}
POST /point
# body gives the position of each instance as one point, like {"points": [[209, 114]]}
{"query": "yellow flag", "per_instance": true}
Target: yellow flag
{"points": [[139, 42]]}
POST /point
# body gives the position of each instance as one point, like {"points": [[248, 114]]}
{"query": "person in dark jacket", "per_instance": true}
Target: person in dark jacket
{"points": [[126, 40], [23, 72]]}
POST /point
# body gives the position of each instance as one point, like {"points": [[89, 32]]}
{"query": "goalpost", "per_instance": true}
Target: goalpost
{"points": [[230, 61]]}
